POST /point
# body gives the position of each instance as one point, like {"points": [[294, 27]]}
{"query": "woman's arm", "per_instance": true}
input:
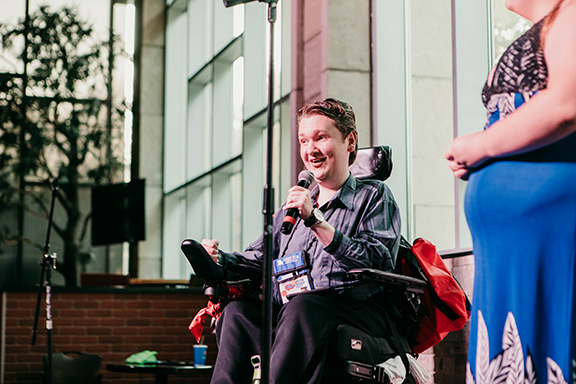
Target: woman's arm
{"points": [[546, 118]]}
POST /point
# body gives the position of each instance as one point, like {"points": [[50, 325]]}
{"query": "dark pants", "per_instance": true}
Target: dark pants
{"points": [[300, 345]]}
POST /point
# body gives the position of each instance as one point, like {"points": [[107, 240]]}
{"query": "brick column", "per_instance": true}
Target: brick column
{"points": [[331, 57]]}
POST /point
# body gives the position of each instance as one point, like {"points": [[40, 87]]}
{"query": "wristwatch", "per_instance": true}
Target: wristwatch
{"points": [[316, 217]]}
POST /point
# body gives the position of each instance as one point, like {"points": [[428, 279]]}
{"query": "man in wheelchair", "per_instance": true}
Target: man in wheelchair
{"points": [[342, 224]]}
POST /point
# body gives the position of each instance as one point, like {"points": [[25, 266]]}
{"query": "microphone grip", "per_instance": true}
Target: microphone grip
{"points": [[289, 221], [292, 213]]}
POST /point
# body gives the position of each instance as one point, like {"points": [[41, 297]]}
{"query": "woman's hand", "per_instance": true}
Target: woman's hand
{"points": [[467, 152], [299, 198], [211, 246]]}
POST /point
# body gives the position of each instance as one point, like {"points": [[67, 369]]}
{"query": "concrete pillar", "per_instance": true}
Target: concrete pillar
{"points": [[151, 119]]}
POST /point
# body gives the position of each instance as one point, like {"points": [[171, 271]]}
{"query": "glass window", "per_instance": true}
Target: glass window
{"points": [[227, 136], [215, 125], [104, 18], [432, 58], [415, 113], [431, 212], [12, 12], [507, 27]]}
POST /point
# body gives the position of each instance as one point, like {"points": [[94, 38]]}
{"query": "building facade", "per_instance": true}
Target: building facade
{"points": [[412, 70]]}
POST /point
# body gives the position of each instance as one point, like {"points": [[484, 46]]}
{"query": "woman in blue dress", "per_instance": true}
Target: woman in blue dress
{"points": [[521, 206]]}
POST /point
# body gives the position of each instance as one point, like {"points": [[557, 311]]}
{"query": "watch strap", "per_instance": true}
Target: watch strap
{"points": [[312, 219]]}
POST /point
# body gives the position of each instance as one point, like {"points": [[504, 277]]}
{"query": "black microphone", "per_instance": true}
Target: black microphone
{"points": [[305, 178]]}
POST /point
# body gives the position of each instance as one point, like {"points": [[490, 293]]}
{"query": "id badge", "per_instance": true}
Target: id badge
{"points": [[292, 275]]}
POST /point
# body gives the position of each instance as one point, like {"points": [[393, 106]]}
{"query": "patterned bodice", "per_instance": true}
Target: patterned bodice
{"points": [[520, 73]]}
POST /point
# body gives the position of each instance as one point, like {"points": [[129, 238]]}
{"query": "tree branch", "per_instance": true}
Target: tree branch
{"points": [[64, 201], [45, 211], [37, 200], [13, 240], [85, 228]]}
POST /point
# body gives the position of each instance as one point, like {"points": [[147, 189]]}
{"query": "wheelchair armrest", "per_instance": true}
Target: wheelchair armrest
{"points": [[252, 272], [389, 278], [209, 271], [408, 290], [215, 276], [201, 261]]}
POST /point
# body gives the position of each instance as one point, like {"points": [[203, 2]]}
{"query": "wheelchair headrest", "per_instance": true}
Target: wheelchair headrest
{"points": [[373, 163]]}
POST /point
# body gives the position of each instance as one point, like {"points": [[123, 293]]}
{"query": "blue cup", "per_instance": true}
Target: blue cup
{"points": [[200, 352]]}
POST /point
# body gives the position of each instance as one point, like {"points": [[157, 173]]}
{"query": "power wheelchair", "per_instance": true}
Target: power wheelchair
{"points": [[354, 352]]}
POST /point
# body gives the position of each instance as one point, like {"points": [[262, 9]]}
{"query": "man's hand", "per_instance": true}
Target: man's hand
{"points": [[211, 246], [299, 198]]}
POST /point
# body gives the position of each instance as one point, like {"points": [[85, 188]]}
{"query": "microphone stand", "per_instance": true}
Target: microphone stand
{"points": [[266, 335], [48, 262]]}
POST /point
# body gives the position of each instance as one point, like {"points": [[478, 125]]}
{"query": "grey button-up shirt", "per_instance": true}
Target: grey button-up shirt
{"points": [[367, 222]]}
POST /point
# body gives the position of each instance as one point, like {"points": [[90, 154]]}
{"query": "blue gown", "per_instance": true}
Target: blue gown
{"points": [[521, 211]]}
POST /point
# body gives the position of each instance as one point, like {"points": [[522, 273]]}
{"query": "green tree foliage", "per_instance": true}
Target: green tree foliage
{"points": [[53, 123]]}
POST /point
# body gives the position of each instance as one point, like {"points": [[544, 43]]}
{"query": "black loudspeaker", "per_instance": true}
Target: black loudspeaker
{"points": [[118, 213]]}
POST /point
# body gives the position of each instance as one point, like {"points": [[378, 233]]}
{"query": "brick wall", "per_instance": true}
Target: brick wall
{"points": [[450, 356], [115, 325], [111, 324]]}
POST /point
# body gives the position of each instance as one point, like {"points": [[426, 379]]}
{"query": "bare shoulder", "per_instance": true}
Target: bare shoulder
{"points": [[560, 44], [563, 27], [568, 10]]}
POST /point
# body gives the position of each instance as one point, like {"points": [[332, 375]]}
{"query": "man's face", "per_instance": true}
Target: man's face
{"points": [[324, 151]]}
